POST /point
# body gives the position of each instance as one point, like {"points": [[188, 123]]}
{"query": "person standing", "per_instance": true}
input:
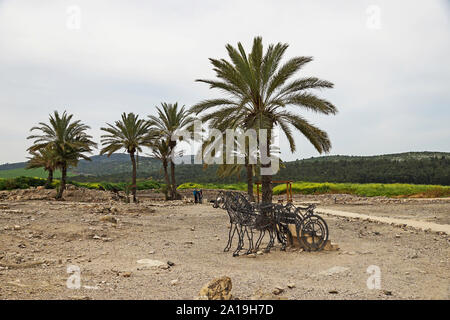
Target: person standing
{"points": [[201, 196], [195, 195]]}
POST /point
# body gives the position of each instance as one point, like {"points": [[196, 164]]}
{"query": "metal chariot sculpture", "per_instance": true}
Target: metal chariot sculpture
{"points": [[248, 219]]}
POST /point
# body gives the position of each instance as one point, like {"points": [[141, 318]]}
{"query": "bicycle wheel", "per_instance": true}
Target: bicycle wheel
{"points": [[313, 233]]}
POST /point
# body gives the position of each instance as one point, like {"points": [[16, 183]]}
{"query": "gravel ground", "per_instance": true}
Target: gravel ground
{"points": [[431, 212], [39, 239]]}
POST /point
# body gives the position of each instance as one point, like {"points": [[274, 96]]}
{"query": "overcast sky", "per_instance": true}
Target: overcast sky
{"points": [[389, 61]]}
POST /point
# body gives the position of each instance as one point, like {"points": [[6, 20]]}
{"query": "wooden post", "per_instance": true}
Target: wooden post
{"points": [[257, 191], [290, 191], [287, 192]]}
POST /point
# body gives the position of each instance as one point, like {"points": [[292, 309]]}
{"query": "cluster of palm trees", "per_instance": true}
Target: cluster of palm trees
{"points": [[258, 89], [63, 142]]}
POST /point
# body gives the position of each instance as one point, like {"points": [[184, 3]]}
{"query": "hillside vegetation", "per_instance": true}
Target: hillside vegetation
{"points": [[22, 172], [430, 168], [28, 182]]}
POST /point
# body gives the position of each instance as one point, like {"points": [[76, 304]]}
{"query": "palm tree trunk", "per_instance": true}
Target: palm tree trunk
{"points": [[250, 182], [166, 178], [133, 183], [174, 184], [266, 180], [49, 181], [62, 185]]}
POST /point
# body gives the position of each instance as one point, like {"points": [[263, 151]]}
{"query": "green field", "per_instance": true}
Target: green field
{"points": [[225, 186], [22, 172], [366, 189]]}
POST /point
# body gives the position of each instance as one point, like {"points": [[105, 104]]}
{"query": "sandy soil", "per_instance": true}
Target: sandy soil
{"points": [[431, 212], [39, 239]]}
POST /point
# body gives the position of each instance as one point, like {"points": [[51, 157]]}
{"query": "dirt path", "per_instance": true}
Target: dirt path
{"points": [[420, 225]]}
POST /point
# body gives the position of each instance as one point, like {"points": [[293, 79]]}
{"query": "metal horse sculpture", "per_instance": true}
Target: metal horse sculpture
{"points": [[246, 218]]}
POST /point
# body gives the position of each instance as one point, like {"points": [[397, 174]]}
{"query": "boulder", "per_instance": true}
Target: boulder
{"points": [[216, 289]]}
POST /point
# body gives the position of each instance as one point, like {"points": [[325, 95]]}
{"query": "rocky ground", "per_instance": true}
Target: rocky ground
{"points": [[169, 250]]}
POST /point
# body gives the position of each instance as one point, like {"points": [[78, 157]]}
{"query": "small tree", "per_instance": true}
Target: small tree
{"points": [[45, 158], [67, 138], [170, 119]]}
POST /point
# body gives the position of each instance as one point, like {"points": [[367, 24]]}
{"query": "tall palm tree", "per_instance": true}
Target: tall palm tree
{"points": [[170, 119], [45, 158], [67, 138], [259, 90], [130, 133]]}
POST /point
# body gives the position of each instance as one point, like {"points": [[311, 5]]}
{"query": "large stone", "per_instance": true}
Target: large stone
{"points": [[217, 289], [151, 263], [329, 246]]}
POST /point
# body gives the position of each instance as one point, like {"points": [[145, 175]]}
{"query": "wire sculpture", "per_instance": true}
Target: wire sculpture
{"points": [[247, 218]]}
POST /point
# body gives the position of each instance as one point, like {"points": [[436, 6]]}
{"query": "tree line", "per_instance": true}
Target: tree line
{"points": [[433, 170]]}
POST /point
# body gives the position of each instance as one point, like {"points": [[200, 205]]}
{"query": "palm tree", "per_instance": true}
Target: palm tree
{"points": [[67, 138], [161, 151], [45, 158], [259, 89], [130, 133], [170, 119], [226, 169]]}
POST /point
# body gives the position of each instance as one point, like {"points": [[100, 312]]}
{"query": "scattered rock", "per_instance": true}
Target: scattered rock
{"points": [[291, 285], [216, 289], [413, 255], [108, 218], [388, 293], [79, 298], [126, 274], [174, 282], [333, 292], [278, 290], [164, 267], [261, 295], [329, 246], [170, 263], [334, 271]]}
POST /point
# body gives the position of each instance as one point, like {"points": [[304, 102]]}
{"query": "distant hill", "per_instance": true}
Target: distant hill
{"points": [[408, 167], [393, 156]]}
